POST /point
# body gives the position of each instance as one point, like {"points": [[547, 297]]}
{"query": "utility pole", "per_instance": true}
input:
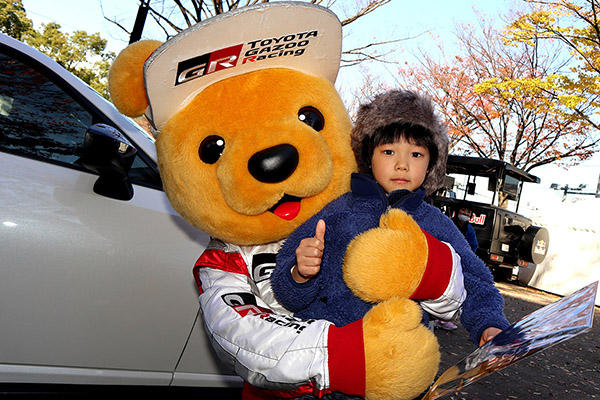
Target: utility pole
{"points": [[140, 20]]}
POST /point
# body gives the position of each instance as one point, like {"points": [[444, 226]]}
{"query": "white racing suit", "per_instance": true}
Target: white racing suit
{"points": [[266, 345]]}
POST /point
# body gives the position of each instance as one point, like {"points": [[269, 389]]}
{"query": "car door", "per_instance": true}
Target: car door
{"points": [[92, 289]]}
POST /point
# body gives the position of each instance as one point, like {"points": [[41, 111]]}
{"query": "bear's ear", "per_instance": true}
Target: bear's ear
{"points": [[126, 78]]}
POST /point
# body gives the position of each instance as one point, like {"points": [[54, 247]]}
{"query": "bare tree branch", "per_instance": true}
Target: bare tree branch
{"points": [[182, 13], [128, 32], [369, 8], [113, 21], [160, 17]]}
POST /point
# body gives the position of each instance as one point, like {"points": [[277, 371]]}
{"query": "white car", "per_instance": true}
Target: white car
{"points": [[96, 282]]}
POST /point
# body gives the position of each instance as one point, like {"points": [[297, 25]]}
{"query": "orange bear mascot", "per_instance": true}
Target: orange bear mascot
{"points": [[253, 139]]}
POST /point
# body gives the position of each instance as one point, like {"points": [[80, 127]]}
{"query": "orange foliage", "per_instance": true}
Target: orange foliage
{"points": [[499, 102]]}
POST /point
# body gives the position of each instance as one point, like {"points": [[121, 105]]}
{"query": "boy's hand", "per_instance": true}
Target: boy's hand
{"points": [[309, 254], [488, 335]]}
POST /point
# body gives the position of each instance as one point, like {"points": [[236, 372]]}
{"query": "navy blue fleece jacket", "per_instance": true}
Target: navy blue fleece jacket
{"points": [[327, 296]]}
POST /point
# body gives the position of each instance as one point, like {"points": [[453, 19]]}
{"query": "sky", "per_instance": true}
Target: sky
{"points": [[428, 22], [398, 19]]}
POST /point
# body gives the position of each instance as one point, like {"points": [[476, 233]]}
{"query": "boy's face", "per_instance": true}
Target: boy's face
{"points": [[400, 165]]}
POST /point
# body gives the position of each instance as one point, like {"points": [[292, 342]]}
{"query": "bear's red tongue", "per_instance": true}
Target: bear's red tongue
{"points": [[288, 210]]}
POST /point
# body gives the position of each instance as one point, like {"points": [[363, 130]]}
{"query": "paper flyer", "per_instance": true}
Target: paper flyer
{"points": [[552, 324]]}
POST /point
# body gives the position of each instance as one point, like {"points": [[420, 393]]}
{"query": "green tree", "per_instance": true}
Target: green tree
{"points": [[13, 19], [80, 53], [573, 26]]}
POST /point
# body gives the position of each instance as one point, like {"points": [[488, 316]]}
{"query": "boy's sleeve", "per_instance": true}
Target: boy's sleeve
{"points": [[484, 305], [293, 295], [449, 303]]}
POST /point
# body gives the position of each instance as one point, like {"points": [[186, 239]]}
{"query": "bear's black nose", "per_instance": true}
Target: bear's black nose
{"points": [[274, 164]]}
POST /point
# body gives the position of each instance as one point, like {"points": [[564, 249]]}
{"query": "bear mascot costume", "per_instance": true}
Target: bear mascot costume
{"points": [[252, 140]]}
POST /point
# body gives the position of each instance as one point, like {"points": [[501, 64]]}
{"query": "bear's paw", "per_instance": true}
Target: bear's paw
{"points": [[401, 354]]}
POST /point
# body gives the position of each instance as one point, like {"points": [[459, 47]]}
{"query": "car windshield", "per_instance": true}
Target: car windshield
{"points": [[481, 189], [475, 189]]}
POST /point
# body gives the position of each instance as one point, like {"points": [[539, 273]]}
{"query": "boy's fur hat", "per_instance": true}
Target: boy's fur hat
{"points": [[402, 106]]}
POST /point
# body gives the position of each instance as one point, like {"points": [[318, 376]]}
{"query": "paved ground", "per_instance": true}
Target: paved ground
{"points": [[569, 370]]}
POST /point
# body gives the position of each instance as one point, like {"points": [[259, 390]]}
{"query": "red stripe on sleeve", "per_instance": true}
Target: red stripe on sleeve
{"points": [[347, 359], [437, 272], [218, 259]]}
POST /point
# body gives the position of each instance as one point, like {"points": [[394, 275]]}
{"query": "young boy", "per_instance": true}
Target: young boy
{"points": [[401, 149]]}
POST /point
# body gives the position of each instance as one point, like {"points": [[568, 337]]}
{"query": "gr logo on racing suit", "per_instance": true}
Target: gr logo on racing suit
{"points": [[244, 303]]}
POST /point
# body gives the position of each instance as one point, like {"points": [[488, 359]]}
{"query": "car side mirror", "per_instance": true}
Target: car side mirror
{"points": [[108, 153]]}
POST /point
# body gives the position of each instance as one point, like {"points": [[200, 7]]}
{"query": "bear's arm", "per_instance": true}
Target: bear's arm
{"points": [[483, 307], [449, 304]]}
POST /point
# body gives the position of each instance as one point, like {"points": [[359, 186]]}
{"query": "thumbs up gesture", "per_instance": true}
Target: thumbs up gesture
{"points": [[309, 254]]}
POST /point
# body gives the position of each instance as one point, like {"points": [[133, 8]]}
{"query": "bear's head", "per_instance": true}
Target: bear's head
{"points": [[253, 138]]}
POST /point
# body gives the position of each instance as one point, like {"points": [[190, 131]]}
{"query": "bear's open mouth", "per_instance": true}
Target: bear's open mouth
{"points": [[287, 208]]}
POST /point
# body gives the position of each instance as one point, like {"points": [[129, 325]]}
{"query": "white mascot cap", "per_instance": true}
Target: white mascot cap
{"points": [[294, 35]]}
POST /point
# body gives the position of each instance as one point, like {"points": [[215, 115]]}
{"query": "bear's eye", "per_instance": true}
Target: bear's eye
{"points": [[312, 117], [211, 148]]}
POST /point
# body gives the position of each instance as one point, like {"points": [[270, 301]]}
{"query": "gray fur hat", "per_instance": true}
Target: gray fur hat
{"points": [[402, 106]]}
